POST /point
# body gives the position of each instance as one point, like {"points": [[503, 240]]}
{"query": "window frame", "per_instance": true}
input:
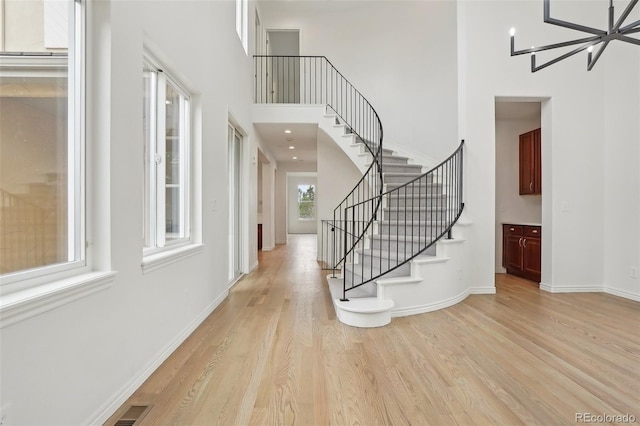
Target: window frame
{"points": [[313, 210], [76, 151], [155, 239]]}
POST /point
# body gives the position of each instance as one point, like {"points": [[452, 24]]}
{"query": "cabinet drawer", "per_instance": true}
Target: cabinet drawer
{"points": [[512, 229], [532, 231]]}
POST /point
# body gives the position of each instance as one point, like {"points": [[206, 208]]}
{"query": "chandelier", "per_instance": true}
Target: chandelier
{"points": [[617, 31]]}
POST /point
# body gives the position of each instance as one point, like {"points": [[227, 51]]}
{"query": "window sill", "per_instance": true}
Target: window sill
{"points": [[159, 260], [18, 306]]}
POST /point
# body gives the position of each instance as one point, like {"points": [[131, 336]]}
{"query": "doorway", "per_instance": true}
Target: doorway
{"points": [[521, 211], [285, 68], [236, 237]]}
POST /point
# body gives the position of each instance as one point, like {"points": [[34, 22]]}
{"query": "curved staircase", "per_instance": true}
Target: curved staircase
{"points": [[393, 243]]}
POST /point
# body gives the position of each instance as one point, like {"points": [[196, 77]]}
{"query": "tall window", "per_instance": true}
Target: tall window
{"points": [[41, 138], [166, 116], [306, 202], [242, 22]]}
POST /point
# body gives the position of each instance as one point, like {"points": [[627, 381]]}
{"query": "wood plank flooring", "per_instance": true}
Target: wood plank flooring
{"points": [[274, 354]]}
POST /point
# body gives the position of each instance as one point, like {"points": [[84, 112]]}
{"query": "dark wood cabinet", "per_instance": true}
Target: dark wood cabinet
{"points": [[259, 236], [521, 250], [530, 163]]}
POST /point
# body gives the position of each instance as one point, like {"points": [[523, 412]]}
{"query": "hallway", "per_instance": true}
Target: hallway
{"points": [[274, 353]]}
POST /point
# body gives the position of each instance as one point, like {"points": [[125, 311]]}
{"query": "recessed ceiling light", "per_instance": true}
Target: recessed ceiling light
{"points": [[295, 158], [292, 147], [287, 131]]}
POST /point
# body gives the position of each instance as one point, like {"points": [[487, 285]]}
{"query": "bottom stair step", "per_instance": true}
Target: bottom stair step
{"points": [[364, 311], [368, 311]]}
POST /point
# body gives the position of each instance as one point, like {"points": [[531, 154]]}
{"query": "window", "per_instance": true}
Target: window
{"points": [[306, 202], [41, 139], [166, 119], [242, 18]]}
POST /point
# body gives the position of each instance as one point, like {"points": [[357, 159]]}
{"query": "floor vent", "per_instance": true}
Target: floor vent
{"points": [[134, 414]]}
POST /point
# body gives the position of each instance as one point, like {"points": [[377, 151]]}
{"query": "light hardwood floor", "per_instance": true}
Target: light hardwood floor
{"points": [[273, 353]]}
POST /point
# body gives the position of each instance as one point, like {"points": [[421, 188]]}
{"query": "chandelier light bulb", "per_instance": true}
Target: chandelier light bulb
{"points": [[512, 32], [590, 49]]}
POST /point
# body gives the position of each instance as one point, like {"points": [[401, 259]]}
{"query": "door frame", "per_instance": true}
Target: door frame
{"points": [[241, 216]]}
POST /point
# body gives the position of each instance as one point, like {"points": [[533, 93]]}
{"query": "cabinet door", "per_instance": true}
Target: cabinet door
{"points": [[537, 162], [512, 252], [530, 163], [532, 263], [526, 163]]}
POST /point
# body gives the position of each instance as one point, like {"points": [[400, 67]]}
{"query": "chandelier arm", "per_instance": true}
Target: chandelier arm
{"points": [[557, 45], [592, 62], [625, 14], [631, 26], [549, 20], [629, 40], [535, 68], [637, 30]]}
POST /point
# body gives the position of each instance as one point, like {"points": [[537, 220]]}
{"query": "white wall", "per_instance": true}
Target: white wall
{"points": [[337, 175], [92, 353], [400, 55], [622, 171], [296, 225], [511, 207], [267, 181], [268, 206], [574, 138]]}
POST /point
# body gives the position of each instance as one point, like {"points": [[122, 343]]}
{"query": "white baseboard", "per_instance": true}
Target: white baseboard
{"points": [[622, 293], [501, 270], [421, 309], [571, 288], [268, 248], [490, 289], [254, 266], [110, 407]]}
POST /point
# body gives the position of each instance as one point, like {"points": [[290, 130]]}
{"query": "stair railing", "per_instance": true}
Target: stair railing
{"points": [[314, 80], [415, 216]]}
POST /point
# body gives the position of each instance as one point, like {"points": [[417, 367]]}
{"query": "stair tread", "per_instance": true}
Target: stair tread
{"points": [[400, 174], [365, 305], [394, 155], [396, 208], [395, 255], [401, 238], [410, 166], [411, 222]]}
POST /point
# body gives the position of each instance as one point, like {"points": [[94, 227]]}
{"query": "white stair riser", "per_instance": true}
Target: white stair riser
{"points": [[356, 319], [411, 230], [402, 168]]}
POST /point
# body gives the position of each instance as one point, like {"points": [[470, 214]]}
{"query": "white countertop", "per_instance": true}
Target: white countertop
{"points": [[522, 223]]}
